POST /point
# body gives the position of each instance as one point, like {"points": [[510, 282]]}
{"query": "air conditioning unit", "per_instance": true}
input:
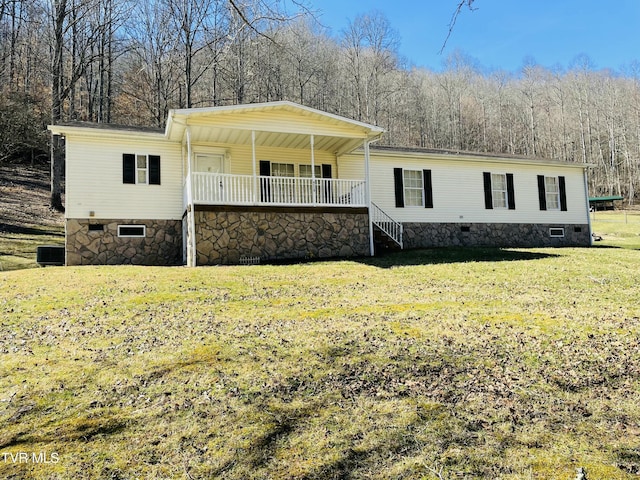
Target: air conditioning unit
{"points": [[50, 255]]}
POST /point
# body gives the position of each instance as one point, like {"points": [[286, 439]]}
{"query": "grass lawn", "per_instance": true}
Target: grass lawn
{"points": [[18, 250], [617, 228], [432, 364]]}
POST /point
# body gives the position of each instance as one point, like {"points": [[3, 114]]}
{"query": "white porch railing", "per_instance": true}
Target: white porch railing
{"points": [[387, 224], [226, 189]]}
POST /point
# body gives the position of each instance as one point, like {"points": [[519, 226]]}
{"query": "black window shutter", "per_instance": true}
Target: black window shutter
{"points": [[488, 197], [399, 186], [326, 173], [511, 199], [428, 190], [128, 168], [265, 186], [265, 168], [542, 195], [154, 170], [563, 193]]}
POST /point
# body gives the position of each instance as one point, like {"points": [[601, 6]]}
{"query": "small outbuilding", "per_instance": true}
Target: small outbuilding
{"points": [[604, 203]]}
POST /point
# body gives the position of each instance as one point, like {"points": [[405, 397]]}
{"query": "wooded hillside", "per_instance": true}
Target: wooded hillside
{"points": [[129, 62]]}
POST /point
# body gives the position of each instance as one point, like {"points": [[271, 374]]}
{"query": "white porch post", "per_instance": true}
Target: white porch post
{"points": [[191, 214], [313, 170], [253, 162], [368, 194]]}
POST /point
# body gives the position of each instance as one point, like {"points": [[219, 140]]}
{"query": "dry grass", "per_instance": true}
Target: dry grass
{"points": [[25, 218], [455, 363], [472, 363]]}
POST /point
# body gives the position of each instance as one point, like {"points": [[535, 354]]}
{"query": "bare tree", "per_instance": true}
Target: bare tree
{"points": [[151, 71], [370, 49], [66, 16]]}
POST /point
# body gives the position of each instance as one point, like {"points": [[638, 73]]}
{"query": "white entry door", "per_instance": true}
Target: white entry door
{"points": [[209, 163]]}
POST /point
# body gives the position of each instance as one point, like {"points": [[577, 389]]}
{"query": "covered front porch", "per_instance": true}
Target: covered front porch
{"points": [[276, 156]]}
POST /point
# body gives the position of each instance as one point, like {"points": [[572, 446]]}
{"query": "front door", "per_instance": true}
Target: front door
{"points": [[208, 186], [209, 163]]}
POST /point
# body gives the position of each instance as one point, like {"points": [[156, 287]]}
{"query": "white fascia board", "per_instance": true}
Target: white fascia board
{"points": [[461, 157], [103, 132], [372, 130]]}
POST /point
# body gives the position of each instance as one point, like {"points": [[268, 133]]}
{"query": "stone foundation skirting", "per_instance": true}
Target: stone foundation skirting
{"points": [[96, 242], [231, 236], [426, 235]]}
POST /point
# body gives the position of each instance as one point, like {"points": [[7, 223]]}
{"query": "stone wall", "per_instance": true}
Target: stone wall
{"points": [[227, 236], [425, 235], [162, 244]]}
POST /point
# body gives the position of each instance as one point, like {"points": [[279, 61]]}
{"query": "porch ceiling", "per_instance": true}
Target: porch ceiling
{"points": [[277, 124], [333, 144]]}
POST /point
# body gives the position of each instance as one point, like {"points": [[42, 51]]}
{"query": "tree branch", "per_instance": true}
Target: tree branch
{"points": [[243, 17], [454, 19]]}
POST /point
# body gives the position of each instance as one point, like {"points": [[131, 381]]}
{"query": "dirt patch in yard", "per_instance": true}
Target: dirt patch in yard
{"points": [[24, 201]]}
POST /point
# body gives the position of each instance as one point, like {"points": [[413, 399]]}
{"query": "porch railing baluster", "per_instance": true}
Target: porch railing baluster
{"points": [[226, 189]]}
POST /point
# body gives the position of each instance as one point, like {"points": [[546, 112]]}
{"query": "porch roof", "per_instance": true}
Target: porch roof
{"points": [[276, 124]]}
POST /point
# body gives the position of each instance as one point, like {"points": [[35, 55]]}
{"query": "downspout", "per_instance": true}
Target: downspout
{"points": [[191, 260], [586, 194], [367, 180], [367, 193]]}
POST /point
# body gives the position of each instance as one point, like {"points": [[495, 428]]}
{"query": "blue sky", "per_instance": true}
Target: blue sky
{"points": [[500, 34]]}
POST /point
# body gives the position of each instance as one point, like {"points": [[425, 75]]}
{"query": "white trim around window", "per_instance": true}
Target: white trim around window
{"points": [[499, 195], [142, 169], [552, 193], [413, 188], [132, 231], [282, 169]]}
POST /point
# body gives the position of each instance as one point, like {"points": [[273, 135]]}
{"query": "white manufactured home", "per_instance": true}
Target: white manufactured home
{"points": [[273, 181]]}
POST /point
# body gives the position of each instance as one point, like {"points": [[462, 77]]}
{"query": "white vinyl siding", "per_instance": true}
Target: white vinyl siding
{"points": [[94, 179], [458, 190], [240, 158]]}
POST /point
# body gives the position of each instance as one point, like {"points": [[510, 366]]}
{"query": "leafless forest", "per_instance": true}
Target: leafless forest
{"points": [[130, 61]]}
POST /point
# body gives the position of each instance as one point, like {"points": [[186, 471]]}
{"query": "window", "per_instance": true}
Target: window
{"points": [[210, 163], [552, 193], [131, 230], [96, 227], [413, 188], [140, 169], [282, 170], [305, 171], [499, 191], [556, 232]]}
